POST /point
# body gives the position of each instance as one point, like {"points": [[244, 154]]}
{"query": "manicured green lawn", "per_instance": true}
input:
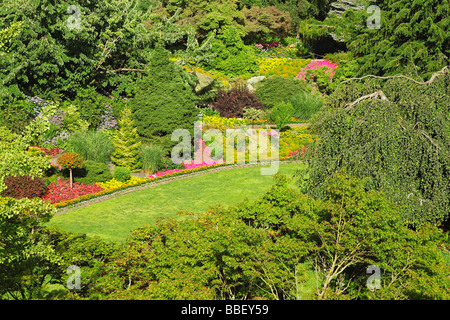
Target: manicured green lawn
{"points": [[114, 219]]}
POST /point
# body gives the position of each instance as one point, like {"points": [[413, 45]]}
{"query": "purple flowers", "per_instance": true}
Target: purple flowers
{"points": [[108, 121], [54, 141], [267, 46], [37, 101], [58, 118], [39, 104]]}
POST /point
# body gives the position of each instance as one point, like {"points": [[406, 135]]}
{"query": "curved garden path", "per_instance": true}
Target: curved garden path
{"points": [[163, 181]]}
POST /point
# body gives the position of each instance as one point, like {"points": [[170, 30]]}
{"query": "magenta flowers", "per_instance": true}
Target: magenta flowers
{"points": [[310, 67]]}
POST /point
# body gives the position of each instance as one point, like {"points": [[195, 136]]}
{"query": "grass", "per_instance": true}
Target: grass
{"points": [[113, 220]]}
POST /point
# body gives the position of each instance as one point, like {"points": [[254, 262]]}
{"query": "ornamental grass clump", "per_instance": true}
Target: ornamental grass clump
{"points": [[151, 157], [306, 105], [91, 145]]}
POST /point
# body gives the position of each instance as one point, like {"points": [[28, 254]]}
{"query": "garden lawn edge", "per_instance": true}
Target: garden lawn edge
{"points": [[91, 199]]}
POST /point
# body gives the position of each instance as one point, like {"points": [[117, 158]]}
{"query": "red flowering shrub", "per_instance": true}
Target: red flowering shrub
{"points": [[300, 152], [24, 187], [61, 191], [49, 152]]}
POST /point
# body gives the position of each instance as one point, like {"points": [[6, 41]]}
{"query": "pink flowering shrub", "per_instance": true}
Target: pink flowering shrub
{"points": [[268, 46], [61, 191], [273, 133], [204, 153], [310, 69], [300, 152], [59, 167]]}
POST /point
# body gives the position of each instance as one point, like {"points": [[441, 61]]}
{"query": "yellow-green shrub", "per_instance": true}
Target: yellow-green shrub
{"points": [[282, 67], [221, 123]]}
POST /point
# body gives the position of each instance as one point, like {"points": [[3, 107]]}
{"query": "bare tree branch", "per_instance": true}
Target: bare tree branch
{"points": [[376, 95], [441, 72]]}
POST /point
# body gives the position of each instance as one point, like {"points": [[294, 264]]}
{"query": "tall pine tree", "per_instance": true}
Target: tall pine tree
{"points": [[126, 144]]}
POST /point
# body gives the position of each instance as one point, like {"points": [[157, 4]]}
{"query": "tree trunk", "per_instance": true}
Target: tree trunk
{"points": [[70, 178]]}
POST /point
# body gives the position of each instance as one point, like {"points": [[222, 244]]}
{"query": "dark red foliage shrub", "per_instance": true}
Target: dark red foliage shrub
{"points": [[231, 103], [24, 187]]}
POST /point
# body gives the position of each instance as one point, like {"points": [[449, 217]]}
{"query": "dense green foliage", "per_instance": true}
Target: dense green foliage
{"points": [[281, 114], [91, 145], [121, 174], [274, 90], [164, 101], [410, 33], [65, 49], [92, 172], [234, 58], [15, 117], [400, 140], [414, 32], [28, 261]]}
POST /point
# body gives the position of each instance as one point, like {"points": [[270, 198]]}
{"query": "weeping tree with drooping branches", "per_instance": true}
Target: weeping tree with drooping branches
{"points": [[395, 131]]}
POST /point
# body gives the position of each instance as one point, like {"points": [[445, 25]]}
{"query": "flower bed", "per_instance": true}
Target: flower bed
{"points": [[292, 144], [48, 152], [222, 123], [61, 191], [115, 186], [112, 187], [282, 67], [294, 140]]}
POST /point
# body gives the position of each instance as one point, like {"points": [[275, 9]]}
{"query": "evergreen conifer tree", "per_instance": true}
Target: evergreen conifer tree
{"points": [[126, 144], [164, 101], [408, 33]]}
